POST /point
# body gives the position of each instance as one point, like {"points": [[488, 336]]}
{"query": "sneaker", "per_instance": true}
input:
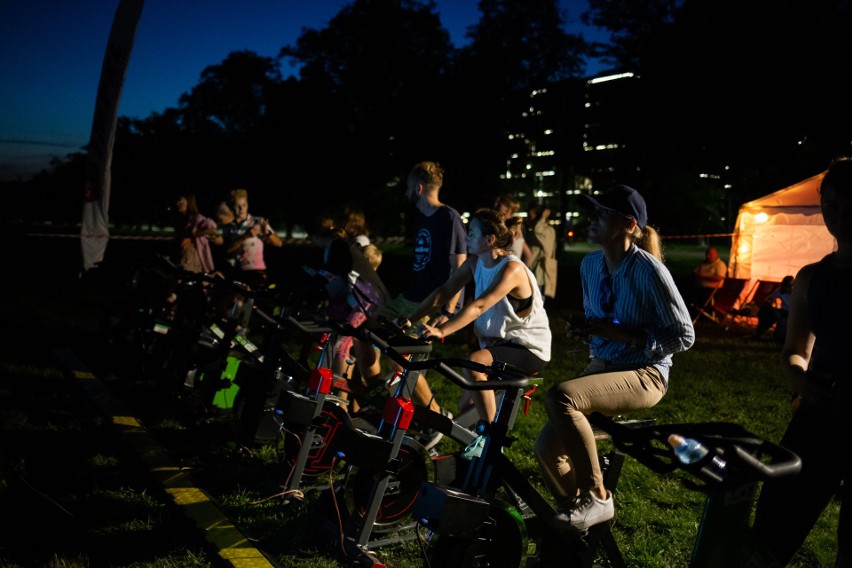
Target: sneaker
{"points": [[430, 437], [586, 510], [474, 449]]}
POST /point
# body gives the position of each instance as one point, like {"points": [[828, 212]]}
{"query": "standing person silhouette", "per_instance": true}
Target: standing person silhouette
{"points": [[191, 230], [635, 321], [815, 360], [245, 239], [439, 250], [541, 239]]}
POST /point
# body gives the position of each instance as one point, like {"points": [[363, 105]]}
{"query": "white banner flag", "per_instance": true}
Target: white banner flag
{"points": [[94, 234]]}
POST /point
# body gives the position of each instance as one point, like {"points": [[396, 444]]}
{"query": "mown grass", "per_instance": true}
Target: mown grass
{"points": [[73, 496]]}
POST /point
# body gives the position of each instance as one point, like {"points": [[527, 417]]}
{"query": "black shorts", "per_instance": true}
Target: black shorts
{"points": [[516, 356]]}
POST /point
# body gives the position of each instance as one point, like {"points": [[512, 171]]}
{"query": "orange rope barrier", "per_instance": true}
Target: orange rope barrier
{"points": [[696, 236]]}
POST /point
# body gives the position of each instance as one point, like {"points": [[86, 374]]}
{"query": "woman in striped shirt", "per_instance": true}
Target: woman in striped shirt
{"points": [[635, 321]]}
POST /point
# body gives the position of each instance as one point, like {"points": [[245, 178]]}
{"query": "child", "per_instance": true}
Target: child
{"points": [[373, 254]]}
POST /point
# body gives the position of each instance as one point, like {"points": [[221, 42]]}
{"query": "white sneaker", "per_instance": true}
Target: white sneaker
{"points": [[586, 510]]}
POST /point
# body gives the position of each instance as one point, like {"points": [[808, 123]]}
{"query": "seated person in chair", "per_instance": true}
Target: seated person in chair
{"points": [[774, 311], [709, 274]]}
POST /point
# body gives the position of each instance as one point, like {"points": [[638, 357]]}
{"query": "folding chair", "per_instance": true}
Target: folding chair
{"points": [[762, 289], [721, 302]]}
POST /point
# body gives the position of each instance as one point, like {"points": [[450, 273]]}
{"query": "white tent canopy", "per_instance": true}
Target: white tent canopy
{"points": [[779, 233]]}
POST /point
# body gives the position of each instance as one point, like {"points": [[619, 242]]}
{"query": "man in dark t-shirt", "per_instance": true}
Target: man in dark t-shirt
{"points": [[440, 247], [439, 241]]}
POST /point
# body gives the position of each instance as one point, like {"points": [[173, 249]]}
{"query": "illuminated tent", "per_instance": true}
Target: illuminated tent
{"points": [[779, 233]]}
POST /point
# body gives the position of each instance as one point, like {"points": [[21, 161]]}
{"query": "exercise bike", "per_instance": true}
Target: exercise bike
{"points": [[736, 461], [384, 466], [492, 516]]}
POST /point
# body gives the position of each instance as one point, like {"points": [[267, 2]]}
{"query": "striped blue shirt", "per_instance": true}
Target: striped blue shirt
{"points": [[640, 294]]}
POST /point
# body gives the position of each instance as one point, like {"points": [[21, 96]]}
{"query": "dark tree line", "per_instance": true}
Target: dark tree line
{"points": [[751, 91]]}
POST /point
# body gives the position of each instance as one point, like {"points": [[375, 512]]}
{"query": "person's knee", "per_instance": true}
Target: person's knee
{"points": [[557, 401], [481, 357]]}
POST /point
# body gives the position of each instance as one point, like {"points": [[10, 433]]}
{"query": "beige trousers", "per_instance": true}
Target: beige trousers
{"points": [[566, 449]]}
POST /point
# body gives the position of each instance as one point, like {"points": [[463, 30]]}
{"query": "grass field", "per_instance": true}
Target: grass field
{"points": [[74, 496]]}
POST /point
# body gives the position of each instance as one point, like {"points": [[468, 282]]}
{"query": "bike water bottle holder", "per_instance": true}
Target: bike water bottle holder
{"points": [[449, 512]]}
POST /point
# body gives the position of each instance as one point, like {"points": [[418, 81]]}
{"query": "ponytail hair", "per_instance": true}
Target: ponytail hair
{"points": [[515, 226], [648, 239], [492, 223]]}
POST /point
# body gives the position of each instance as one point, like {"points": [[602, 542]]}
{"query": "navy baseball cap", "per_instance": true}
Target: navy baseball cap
{"points": [[622, 199]]}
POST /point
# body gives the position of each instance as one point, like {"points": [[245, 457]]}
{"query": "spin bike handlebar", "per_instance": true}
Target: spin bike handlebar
{"points": [[504, 376], [310, 327], [168, 270], [748, 457]]}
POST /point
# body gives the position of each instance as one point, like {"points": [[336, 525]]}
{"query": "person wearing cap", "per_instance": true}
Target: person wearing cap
{"points": [[635, 320]]}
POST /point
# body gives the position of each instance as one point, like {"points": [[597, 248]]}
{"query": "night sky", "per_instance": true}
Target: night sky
{"points": [[51, 53]]}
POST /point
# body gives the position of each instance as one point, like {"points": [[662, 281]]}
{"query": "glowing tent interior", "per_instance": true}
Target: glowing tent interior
{"points": [[777, 234]]}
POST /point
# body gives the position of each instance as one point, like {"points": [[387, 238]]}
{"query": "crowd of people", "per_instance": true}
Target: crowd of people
{"points": [[634, 321]]}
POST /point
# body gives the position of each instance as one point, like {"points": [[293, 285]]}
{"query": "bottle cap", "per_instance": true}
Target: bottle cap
{"points": [[675, 440]]}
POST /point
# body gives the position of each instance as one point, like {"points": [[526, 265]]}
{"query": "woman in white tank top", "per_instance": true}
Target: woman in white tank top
{"points": [[508, 312]]}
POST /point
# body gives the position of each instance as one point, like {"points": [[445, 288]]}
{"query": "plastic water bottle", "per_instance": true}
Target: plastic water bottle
{"points": [[691, 451]]}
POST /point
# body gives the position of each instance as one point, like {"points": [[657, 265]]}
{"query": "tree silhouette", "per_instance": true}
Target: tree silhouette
{"points": [[750, 91], [373, 88], [749, 95], [516, 47], [232, 96]]}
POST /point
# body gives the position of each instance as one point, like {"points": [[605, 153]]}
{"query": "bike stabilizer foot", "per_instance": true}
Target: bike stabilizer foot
{"points": [[361, 557]]}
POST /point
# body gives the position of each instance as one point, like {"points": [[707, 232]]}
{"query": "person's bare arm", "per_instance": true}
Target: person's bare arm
{"points": [[457, 260], [237, 243], [799, 341], [272, 238], [514, 276], [442, 294]]}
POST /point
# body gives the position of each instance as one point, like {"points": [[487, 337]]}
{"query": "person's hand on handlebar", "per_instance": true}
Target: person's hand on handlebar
{"points": [[431, 332]]}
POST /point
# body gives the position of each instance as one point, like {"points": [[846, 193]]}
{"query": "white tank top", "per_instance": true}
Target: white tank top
{"points": [[500, 322]]}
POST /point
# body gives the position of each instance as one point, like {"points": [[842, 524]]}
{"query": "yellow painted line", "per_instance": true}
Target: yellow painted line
{"points": [[231, 544], [126, 421]]}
